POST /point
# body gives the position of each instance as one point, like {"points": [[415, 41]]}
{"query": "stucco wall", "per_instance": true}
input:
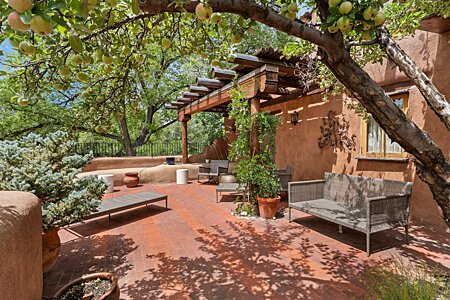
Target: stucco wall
{"points": [[297, 145], [106, 163], [20, 246]]}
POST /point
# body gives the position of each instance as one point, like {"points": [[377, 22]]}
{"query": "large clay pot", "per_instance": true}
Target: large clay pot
{"points": [[51, 247], [111, 294], [268, 207], [131, 179]]}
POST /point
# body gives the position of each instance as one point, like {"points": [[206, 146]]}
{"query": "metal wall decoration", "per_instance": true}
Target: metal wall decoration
{"points": [[334, 133]]}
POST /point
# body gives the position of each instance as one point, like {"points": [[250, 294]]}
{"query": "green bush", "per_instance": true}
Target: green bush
{"points": [[397, 281], [47, 167]]}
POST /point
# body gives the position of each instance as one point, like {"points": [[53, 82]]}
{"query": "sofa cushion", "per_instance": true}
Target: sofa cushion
{"points": [[343, 189]]}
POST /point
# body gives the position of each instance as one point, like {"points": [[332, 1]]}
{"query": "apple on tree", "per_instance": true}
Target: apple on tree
{"points": [[16, 23], [21, 5], [40, 26]]}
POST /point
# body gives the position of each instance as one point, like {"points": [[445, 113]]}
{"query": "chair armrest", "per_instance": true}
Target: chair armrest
{"points": [[300, 191], [392, 209], [222, 170], [202, 169]]}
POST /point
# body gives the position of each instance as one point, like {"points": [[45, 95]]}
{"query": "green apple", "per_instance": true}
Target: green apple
{"points": [[139, 58], [343, 22], [368, 14], [16, 23], [365, 35], [366, 26], [379, 18], [109, 69], [334, 3], [345, 7], [236, 38], [98, 54], [203, 12], [333, 28], [291, 15], [166, 43], [14, 43], [82, 76], [99, 129], [64, 71], [40, 26], [100, 99], [215, 62], [77, 59], [107, 59], [58, 86], [216, 18], [146, 75], [292, 7], [22, 101], [21, 5], [135, 104], [112, 3], [26, 48], [126, 50]]}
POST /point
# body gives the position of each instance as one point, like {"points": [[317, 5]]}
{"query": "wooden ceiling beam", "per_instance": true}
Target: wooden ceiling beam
{"points": [[184, 100], [256, 62], [289, 82]]}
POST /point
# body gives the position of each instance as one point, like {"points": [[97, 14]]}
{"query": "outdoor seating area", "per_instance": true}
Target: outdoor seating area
{"points": [[148, 247]]}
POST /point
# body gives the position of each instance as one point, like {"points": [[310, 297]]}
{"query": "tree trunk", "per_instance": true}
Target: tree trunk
{"points": [[433, 168], [126, 140], [143, 136], [434, 98]]}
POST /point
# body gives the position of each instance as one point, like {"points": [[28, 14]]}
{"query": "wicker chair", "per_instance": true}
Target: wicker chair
{"points": [[215, 168], [364, 204]]}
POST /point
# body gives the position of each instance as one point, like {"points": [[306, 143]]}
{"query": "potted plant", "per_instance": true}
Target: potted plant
{"points": [[47, 167], [254, 150], [96, 286]]}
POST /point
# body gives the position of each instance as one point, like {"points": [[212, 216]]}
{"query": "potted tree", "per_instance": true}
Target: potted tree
{"points": [[100, 286], [254, 150], [47, 167]]}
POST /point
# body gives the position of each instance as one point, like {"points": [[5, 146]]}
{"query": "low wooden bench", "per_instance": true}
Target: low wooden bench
{"points": [[121, 203]]}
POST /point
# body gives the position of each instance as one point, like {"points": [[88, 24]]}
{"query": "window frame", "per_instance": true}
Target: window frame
{"points": [[365, 141]]}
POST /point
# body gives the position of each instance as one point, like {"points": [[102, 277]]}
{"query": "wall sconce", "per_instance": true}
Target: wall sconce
{"points": [[294, 118], [233, 127]]}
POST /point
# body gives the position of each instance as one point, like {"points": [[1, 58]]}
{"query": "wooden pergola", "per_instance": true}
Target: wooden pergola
{"points": [[266, 78]]}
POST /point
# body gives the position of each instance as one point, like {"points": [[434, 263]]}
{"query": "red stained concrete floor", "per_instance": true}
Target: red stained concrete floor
{"points": [[197, 250]]}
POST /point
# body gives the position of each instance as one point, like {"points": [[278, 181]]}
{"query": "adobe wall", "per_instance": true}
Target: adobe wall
{"points": [[20, 246], [107, 163], [297, 145]]}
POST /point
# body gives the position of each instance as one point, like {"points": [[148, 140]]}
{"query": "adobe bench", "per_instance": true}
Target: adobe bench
{"points": [[117, 204], [364, 204]]}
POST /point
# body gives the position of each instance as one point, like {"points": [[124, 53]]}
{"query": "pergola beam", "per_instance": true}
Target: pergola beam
{"points": [[202, 90], [217, 73], [210, 83], [190, 95], [255, 61]]}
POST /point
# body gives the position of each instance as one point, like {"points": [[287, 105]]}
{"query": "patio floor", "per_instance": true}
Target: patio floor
{"points": [[197, 250]]}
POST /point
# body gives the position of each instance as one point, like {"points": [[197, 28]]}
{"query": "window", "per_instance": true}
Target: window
{"points": [[376, 143]]}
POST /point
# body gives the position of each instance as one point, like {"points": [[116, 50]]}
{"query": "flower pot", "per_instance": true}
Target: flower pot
{"points": [[268, 207], [112, 294], [51, 247], [170, 160], [131, 179]]}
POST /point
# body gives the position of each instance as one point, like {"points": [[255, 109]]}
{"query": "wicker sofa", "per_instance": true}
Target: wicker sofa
{"points": [[364, 204]]}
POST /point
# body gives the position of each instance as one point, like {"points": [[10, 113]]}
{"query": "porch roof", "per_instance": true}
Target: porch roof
{"points": [[265, 75]]}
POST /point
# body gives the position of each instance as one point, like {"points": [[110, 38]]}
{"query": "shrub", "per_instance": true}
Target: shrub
{"points": [[47, 167], [397, 281]]}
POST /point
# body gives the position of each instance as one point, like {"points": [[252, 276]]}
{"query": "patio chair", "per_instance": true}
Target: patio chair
{"points": [[215, 168], [285, 177]]}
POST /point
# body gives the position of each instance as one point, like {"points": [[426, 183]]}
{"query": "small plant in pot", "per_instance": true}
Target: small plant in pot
{"points": [[254, 150], [47, 167], [96, 286]]}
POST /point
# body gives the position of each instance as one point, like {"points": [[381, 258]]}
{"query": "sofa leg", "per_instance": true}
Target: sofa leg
{"points": [[406, 234], [368, 244], [340, 229]]}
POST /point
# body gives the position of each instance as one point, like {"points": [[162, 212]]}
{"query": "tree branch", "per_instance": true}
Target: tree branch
{"points": [[365, 43]]}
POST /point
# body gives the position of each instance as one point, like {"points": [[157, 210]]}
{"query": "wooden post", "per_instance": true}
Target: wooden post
{"points": [[184, 139], [255, 108]]}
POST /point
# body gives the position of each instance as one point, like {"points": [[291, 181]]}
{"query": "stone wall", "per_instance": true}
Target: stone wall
{"points": [[20, 246]]}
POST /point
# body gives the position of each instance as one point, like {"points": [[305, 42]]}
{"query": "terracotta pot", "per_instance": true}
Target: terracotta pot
{"points": [[131, 179], [111, 294], [51, 247], [268, 207]]}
